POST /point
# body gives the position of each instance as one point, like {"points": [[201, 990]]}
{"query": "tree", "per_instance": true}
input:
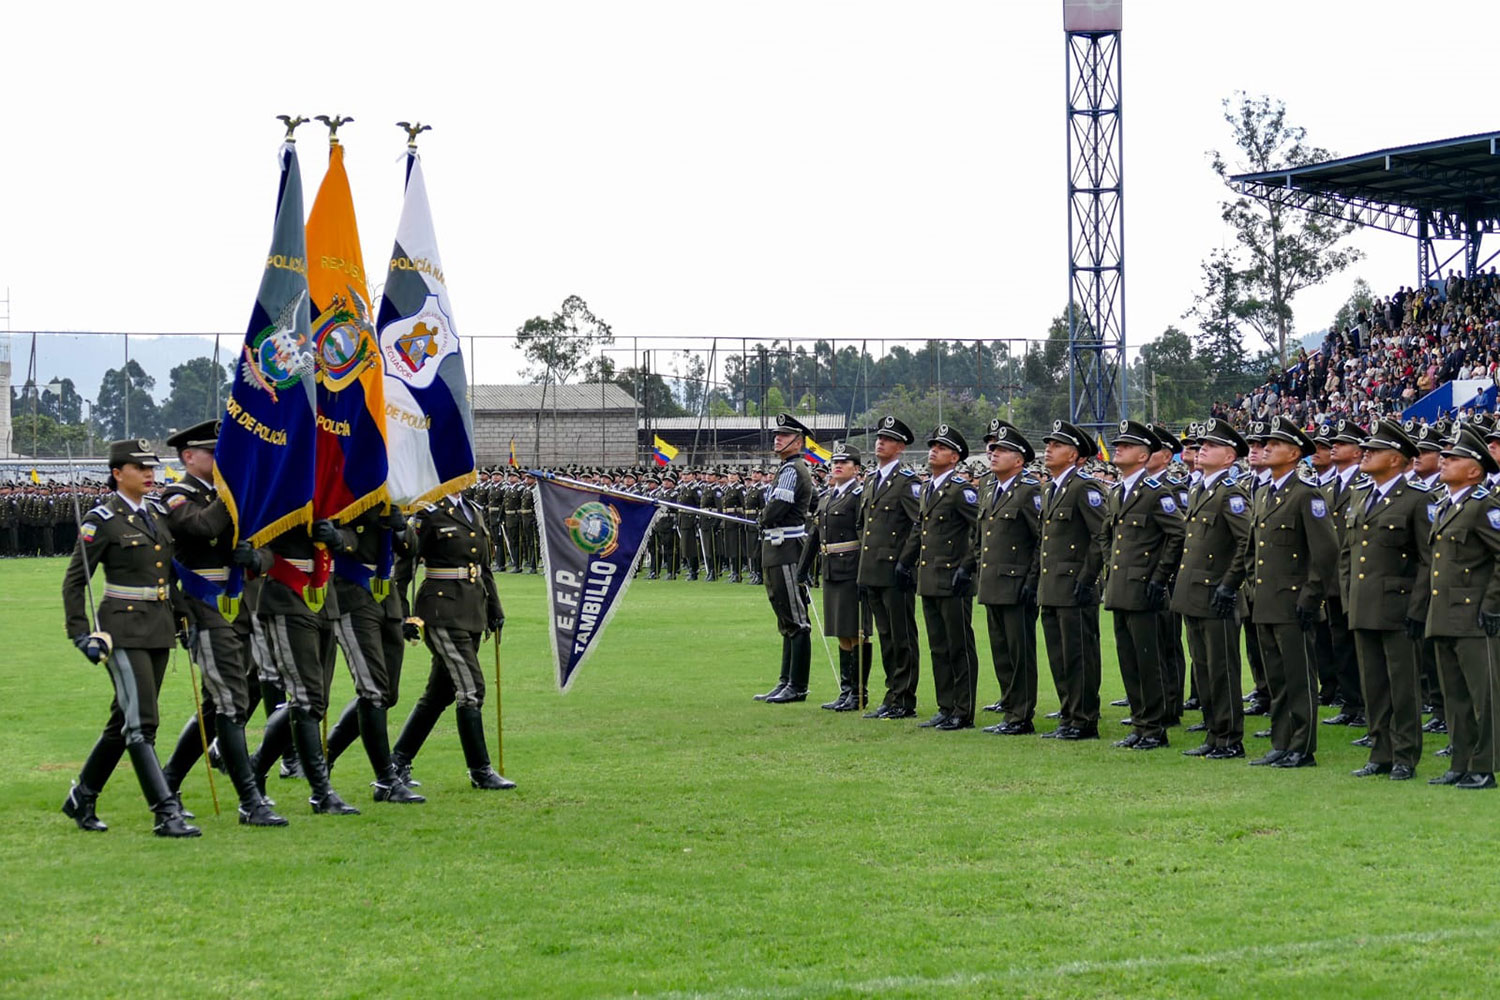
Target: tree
{"points": [[557, 348], [1221, 310], [1287, 249], [1172, 379], [1361, 300], [199, 388], [121, 387]]}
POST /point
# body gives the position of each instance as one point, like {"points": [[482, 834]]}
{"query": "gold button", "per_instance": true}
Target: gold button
{"points": [[130, 607], [1361, 558], [158, 548], [158, 565], [1434, 593]]}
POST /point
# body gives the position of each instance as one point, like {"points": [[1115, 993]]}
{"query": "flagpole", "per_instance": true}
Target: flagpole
{"points": [[208, 766], [611, 491]]}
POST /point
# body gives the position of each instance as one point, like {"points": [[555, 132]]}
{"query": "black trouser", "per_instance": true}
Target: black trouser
{"points": [[1215, 647], [452, 646], [1466, 666], [955, 667], [1145, 669], [1012, 629], [373, 649], [303, 648], [1261, 692], [1286, 650], [1432, 688], [895, 612], [132, 712], [514, 541], [1345, 663], [1392, 683], [1174, 663], [1072, 637]]}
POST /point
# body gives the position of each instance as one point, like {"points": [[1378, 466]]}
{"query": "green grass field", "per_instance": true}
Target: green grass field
{"points": [[672, 838]]}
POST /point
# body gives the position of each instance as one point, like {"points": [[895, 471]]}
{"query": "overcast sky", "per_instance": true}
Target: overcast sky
{"points": [[692, 169]]}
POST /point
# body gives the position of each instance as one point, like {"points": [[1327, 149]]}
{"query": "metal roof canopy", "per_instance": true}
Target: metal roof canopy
{"points": [[1444, 190]]}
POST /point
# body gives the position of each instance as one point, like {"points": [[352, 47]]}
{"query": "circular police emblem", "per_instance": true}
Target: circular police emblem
{"points": [[594, 528], [1208, 428], [888, 422], [942, 430], [1057, 425], [140, 445], [1325, 430], [1124, 426], [1002, 433]]}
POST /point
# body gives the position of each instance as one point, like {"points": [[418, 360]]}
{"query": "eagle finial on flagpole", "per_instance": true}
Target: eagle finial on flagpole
{"points": [[291, 125], [333, 126], [413, 129]]}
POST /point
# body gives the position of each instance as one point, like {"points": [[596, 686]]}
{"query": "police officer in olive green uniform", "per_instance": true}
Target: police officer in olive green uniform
{"points": [[755, 501], [531, 542], [887, 563], [835, 535], [1008, 529], [689, 540], [1333, 639], [1383, 566], [458, 604], [948, 510], [1429, 439], [1142, 541], [204, 533], [1207, 594], [1296, 565], [783, 533], [1070, 557], [128, 536], [1463, 613], [510, 506]]}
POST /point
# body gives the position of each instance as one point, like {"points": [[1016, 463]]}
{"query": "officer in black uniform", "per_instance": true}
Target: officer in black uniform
{"points": [[1207, 593], [783, 533], [204, 533], [1142, 542], [1007, 531], [458, 605], [947, 511], [127, 535], [835, 535], [1070, 555], [889, 544], [1295, 553]]}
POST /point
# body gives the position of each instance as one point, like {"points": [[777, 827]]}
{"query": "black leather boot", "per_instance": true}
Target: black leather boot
{"points": [[786, 671], [187, 751], [169, 820], [477, 751], [255, 809], [413, 734], [344, 733], [846, 683], [801, 663], [275, 742], [389, 786], [79, 807], [274, 698], [310, 751]]}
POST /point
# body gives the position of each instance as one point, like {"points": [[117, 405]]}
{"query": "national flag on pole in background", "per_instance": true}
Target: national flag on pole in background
{"points": [[591, 543], [264, 462], [351, 449], [1103, 451], [513, 462], [662, 452], [816, 453], [35, 478], [429, 434]]}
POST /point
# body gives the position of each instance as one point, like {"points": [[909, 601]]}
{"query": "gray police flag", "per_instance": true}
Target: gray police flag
{"points": [[591, 545]]}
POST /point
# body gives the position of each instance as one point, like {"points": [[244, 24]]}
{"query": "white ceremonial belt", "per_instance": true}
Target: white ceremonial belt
{"points": [[778, 535], [305, 565], [469, 572], [135, 593], [835, 548]]}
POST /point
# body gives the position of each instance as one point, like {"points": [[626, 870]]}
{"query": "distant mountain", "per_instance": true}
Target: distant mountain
{"points": [[85, 358]]}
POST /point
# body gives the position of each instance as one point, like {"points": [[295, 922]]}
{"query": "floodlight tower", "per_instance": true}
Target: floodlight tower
{"points": [[1096, 213]]}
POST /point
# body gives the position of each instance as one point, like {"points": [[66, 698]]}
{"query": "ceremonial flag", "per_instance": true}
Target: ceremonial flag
{"points": [[429, 434], [264, 461], [513, 462], [591, 543], [816, 453], [662, 452], [351, 449], [1103, 451], [35, 478]]}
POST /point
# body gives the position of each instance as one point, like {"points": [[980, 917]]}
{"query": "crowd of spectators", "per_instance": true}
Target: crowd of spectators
{"points": [[1397, 350]]}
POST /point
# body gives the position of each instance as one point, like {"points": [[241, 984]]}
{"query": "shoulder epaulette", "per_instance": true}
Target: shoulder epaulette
{"points": [[905, 471], [102, 512], [1031, 480], [1363, 479], [157, 504], [1418, 485], [857, 490], [1367, 484], [1481, 493], [429, 506], [1083, 475], [1153, 482], [959, 479], [1230, 478]]}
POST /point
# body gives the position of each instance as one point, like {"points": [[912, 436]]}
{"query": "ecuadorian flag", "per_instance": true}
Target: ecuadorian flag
{"points": [[351, 450], [662, 452], [816, 453]]}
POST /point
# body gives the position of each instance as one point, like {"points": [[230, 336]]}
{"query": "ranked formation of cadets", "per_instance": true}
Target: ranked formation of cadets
{"points": [[1352, 566]]}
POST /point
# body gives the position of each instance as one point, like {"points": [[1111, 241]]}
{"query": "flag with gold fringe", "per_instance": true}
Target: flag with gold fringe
{"points": [[429, 431], [264, 463]]}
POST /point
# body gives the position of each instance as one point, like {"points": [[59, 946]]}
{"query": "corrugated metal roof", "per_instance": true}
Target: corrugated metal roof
{"points": [[819, 422], [529, 398]]}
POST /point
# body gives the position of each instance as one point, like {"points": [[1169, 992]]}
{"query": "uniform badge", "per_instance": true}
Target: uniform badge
{"points": [[87, 531], [1095, 498], [1494, 516], [1237, 505], [1037, 499], [1169, 505], [972, 497], [1432, 512], [1319, 507], [176, 500], [916, 490]]}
